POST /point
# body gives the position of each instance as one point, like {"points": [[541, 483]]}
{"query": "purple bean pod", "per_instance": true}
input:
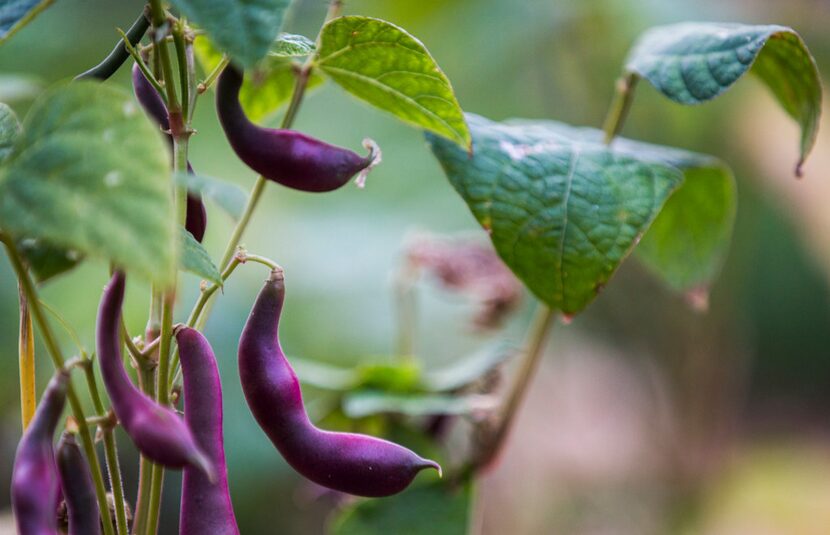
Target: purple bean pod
{"points": [[35, 483], [157, 431], [206, 506], [78, 489], [346, 462], [287, 157], [153, 105]]}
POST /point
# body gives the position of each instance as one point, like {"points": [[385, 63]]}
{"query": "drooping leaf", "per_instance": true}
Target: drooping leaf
{"points": [[244, 29], [362, 403], [9, 130], [563, 209], [436, 508], [228, 196], [467, 370], [391, 70], [267, 86], [196, 260], [47, 261], [90, 173], [691, 63], [15, 14], [290, 45], [687, 242]]}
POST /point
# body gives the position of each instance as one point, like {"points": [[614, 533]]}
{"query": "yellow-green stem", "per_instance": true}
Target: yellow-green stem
{"points": [[623, 97], [26, 350]]}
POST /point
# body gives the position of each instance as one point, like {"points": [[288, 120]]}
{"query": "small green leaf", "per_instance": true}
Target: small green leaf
{"points": [[563, 209], [391, 70], [244, 29], [45, 260], [90, 173], [363, 403], [325, 376], [229, 197], [15, 14], [267, 86], [691, 63], [467, 370], [435, 508], [196, 260], [687, 242], [9, 130], [289, 45], [400, 376]]}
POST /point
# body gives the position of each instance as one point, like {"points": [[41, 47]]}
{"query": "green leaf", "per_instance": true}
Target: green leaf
{"points": [[47, 261], [229, 197], [289, 45], [687, 242], [691, 63], [467, 370], [90, 173], [15, 14], [391, 70], [244, 29], [15, 87], [325, 376], [436, 508], [267, 87], [400, 376], [363, 403], [563, 209], [9, 130], [196, 260]]}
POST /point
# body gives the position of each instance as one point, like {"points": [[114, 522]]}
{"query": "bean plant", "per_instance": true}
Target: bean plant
{"points": [[94, 172]]}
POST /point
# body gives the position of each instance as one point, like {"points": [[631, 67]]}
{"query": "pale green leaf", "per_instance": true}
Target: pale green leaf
{"points": [[91, 173], [195, 259], [289, 45], [691, 63], [229, 197], [9, 130], [391, 70], [14, 87], [363, 403], [15, 14], [436, 508], [562, 208], [244, 29], [467, 370]]}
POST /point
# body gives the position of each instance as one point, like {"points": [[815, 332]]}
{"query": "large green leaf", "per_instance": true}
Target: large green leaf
{"points": [[436, 508], [9, 130], [268, 85], [244, 29], [196, 260], [694, 62], [90, 173], [391, 70], [14, 14], [562, 208]]}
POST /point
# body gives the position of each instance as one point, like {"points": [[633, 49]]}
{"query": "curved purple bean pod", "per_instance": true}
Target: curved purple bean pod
{"points": [[347, 462], [157, 431], [287, 157], [78, 489], [206, 506], [154, 106], [35, 484]]}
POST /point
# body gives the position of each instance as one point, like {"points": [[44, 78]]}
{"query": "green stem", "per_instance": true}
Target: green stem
{"points": [[142, 66], [623, 97], [536, 338], [110, 453], [214, 74], [160, 48], [54, 351], [181, 58]]}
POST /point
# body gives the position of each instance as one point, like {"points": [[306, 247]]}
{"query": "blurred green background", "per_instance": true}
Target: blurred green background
{"points": [[646, 417]]}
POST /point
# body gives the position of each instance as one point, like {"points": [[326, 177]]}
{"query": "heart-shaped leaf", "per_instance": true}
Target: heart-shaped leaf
{"points": [[9, 130], [391, 70], [694, 62], [15, 14], [90, 173], [562, 208], [244, 29], [196, 260], [436, 508]]}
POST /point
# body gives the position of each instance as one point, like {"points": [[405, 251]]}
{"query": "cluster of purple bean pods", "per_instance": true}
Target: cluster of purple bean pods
{"points": [[347, 462]]}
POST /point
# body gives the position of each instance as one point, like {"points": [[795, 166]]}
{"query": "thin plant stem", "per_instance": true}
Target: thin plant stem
{"points": [[55, 353], [26, 350], [214, 74], [160, 48], [536, 339], [623, 97], [143, 66], [181, 58]]}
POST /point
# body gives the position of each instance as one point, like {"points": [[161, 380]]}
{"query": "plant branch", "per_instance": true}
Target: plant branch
{"points": [[623, 97], [120, 53], [26, 351], [214, 74]]}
